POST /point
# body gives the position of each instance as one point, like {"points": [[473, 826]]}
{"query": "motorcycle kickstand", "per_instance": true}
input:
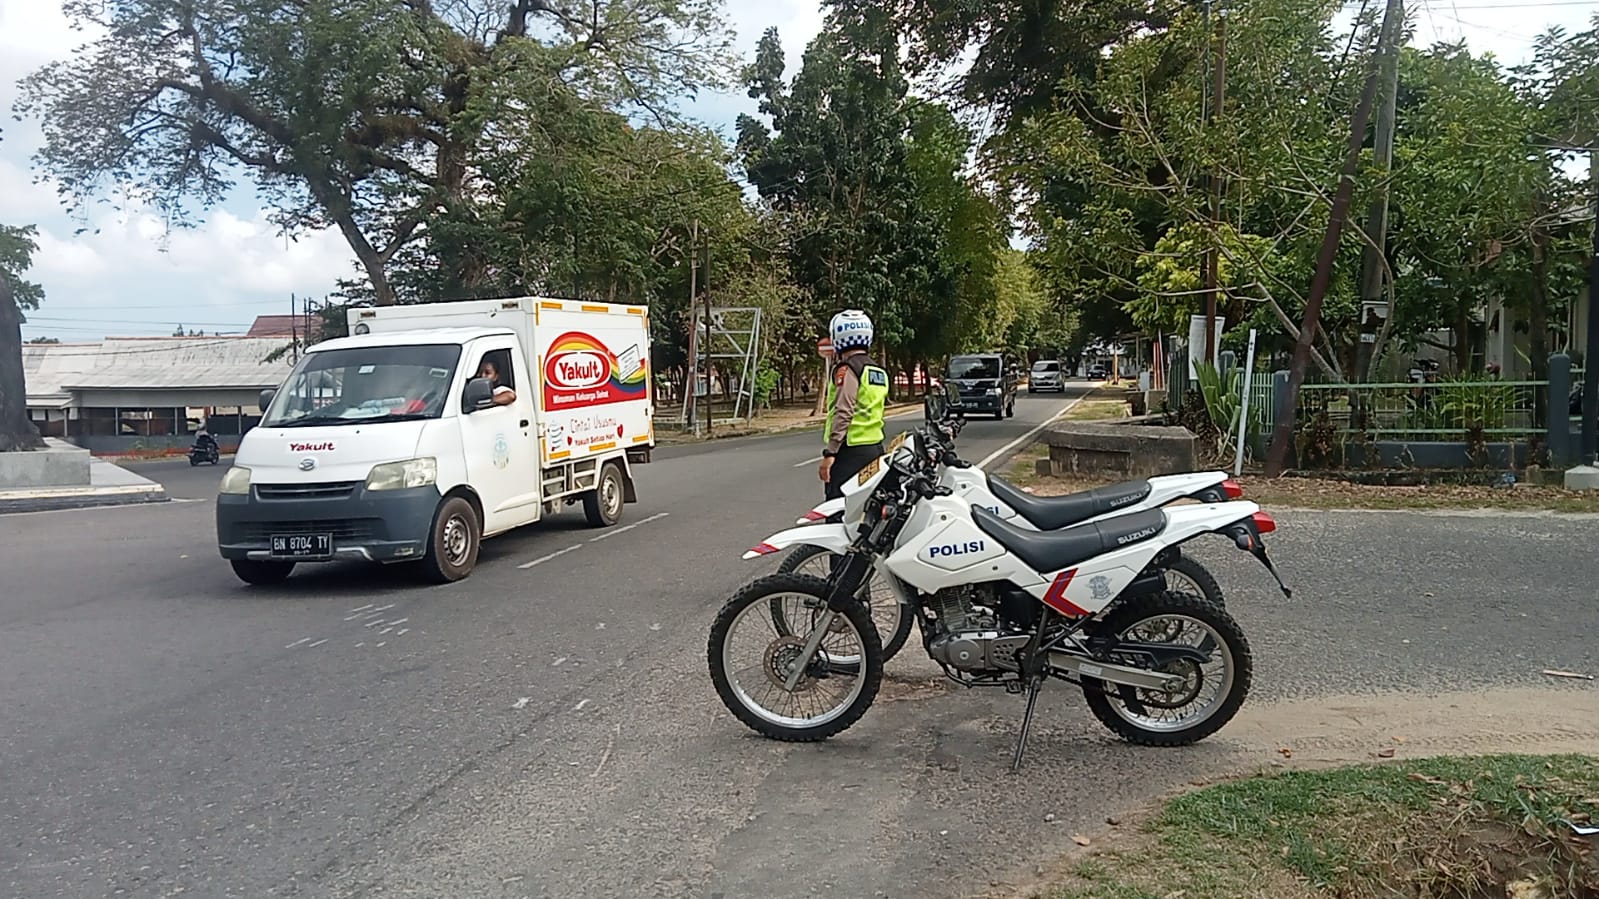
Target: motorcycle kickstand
{"points": [[1034, 684]]}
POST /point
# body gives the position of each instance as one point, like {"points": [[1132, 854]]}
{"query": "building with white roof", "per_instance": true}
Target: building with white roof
{"points": [[126, 394]]}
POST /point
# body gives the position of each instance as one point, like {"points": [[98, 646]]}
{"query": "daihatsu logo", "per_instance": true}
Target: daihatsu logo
{"points": [[307, 464]]}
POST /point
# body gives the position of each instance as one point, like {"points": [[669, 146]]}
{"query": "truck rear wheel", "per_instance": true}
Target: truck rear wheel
{"points": [[603, 507], [453, 544], [262, 573]]}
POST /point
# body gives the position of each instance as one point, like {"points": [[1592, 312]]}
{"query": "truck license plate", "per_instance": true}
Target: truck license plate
{"points": [[301, 546]]}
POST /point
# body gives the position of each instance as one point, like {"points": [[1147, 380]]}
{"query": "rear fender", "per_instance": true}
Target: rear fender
{"points": [[832, 510], [1170, 488], [832, 537]]}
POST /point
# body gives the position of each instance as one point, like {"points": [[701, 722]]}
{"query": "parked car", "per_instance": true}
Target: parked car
{"points": [[1096, 372], [1046, 375], [987, 383]]}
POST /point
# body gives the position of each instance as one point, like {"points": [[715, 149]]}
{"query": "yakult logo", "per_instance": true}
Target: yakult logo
{"points": [[577, 369], [311, 447]]}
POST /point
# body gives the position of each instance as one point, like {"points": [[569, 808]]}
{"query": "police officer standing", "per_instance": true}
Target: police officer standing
{"points": [[857, 391]]}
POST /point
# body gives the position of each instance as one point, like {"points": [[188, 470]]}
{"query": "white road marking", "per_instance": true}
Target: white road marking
{"points": [[300, 642], [1029, 435], [558, 662], [554, 555], [316, 644], [809, 462], [625, 528], [384, 608], [361, 609], [401, 632], [579, 706]]}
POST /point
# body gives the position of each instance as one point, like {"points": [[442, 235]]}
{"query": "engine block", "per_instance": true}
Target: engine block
{"points": [[969, 633]]}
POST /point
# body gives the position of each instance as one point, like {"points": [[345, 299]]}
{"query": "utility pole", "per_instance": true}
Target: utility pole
{"points": [[1373, 301], [692, 388], [294, 330], [1211, 264], [1590, 352], [705, 264], [1283, 431]]}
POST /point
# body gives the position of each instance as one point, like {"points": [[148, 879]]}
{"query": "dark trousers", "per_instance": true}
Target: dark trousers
{"points": [[847, 464]]}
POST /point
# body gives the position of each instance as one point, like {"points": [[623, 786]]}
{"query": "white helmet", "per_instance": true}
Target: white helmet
{"points": [[850, 329]]}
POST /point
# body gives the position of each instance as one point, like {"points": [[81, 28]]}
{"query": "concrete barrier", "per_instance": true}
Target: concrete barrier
{"points": [[1118, 450], [57, 465]]}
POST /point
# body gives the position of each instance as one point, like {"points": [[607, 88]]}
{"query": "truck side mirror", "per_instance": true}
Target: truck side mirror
{"points": [[478, 395], [266, 398]]}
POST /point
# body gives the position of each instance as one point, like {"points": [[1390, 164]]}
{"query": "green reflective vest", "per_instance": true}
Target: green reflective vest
{"points": [[866, 427]]}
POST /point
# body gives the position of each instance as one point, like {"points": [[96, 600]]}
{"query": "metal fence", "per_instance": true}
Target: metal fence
{"points": [[1435, 411]]}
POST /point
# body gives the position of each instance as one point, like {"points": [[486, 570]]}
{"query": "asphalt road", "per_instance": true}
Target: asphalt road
{"points": [[546, 728]]}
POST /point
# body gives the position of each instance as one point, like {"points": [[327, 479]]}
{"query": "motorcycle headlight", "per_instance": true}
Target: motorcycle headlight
{"points": [[236, 481], [403, 475]]}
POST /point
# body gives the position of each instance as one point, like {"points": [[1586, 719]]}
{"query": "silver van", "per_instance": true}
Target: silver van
{"points": [[1046, 375]]}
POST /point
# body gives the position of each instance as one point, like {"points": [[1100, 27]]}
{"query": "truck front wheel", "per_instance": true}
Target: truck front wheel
{"points": [[603, 507], [453, 545]]}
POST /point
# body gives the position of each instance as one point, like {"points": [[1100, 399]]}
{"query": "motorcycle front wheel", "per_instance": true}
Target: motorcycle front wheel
{"points": [[752, 662], [1212, 691], [892, 619]]}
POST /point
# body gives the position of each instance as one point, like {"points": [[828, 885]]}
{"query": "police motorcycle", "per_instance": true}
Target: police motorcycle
{"points": [[997, 605], [812, 554]]}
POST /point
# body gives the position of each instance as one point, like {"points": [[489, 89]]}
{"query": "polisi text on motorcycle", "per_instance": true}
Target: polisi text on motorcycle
{"points": [[955, 549]]}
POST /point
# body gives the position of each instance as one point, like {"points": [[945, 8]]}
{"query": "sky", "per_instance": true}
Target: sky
{"points": [[125, 274]]}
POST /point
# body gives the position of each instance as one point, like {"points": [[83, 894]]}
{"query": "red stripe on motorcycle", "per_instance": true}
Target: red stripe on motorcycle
{"points": [[1056, 597], [764, 549]]}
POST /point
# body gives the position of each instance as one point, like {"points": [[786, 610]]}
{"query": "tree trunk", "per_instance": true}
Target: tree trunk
{"points": [[17, 433]]}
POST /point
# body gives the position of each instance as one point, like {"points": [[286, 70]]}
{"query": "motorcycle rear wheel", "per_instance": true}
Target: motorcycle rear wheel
{"points": [[737, 685], [1126, 711], [892, 619]]}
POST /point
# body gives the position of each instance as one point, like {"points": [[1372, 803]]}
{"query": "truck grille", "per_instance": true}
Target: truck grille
{"points": [[324, 490], [343, 529]]}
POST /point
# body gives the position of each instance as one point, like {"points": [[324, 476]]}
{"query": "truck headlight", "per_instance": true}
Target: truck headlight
{"points": [[993, 391], [403, 475], [236, 481]]}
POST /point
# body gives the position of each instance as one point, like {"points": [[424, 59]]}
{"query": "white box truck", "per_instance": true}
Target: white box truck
{"points": [[391, 445]]}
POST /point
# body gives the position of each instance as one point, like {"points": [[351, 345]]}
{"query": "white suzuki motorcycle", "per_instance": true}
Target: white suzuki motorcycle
{"points": [[997, 605], [1014, 506]]}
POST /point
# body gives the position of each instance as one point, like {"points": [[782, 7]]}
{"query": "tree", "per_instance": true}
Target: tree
{"points": [[355, 114], [17, 247]]}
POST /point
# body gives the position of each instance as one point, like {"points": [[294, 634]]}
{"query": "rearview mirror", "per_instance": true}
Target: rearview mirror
{"points": [[266, 398], [478, 395], [934, 408]]}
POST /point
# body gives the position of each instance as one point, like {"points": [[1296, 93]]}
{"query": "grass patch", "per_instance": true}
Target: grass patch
{"points": [[1443, 828]]}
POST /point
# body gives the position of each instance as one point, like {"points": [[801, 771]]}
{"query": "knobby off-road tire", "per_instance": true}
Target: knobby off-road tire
{"points": [[1123, 617], [1201, 576], [893, 640], [761, 591]]}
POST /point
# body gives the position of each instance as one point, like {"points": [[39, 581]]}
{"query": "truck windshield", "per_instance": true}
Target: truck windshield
{"points": [[365, 384], [968, 367]]}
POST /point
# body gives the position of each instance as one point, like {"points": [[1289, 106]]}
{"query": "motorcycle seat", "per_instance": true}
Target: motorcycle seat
{"points": [[1051, 513], [1051, 551]]}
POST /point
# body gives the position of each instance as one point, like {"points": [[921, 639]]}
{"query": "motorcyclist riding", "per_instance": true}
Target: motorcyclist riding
{"points": [[856, 394]]}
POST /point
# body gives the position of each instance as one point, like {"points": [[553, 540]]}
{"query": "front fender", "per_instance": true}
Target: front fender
{"points": [[832, 537]]}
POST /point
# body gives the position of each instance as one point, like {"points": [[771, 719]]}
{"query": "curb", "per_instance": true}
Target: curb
{"points": [[82, 500]]}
